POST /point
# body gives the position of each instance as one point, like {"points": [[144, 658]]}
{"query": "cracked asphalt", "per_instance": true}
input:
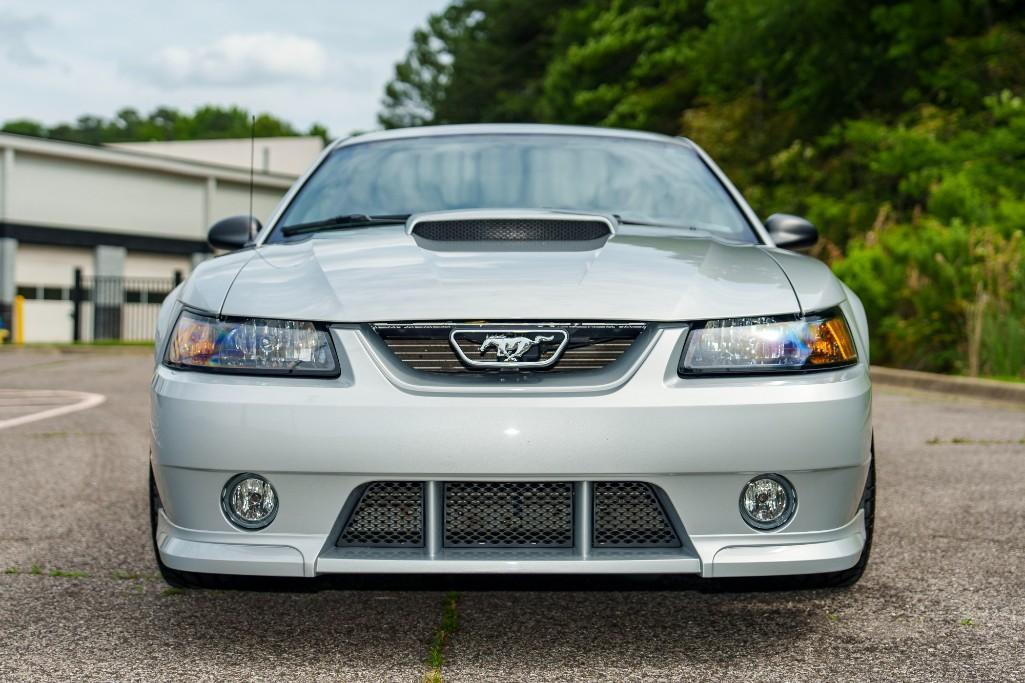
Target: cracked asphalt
{"points": [[943, 598]]}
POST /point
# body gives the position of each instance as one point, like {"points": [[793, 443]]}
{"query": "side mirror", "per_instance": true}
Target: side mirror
{"points": [[791, 232], [233, 233]]}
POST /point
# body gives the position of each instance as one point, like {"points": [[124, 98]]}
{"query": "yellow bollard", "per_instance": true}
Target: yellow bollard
{"points": [[19, 320]]}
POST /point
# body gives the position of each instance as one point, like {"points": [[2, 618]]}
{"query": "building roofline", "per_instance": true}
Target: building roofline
{"points": [[266, 138], [76, 236], [132, 158]]}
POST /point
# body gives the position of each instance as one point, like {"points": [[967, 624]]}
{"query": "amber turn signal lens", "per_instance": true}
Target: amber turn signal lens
{"points": [[833, 344]]}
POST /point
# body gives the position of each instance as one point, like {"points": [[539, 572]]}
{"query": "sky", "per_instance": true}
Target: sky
{"points": [[305, 62]]}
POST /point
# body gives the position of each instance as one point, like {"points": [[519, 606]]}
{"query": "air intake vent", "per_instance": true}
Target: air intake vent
{"points": [[512, 230], [389, 514], [489, 515], [628, 514], [508, 514]]}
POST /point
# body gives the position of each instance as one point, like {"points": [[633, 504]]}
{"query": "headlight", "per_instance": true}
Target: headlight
{"points": [[769, 344], [251, 346]]}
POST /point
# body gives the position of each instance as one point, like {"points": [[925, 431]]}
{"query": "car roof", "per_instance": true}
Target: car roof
{"points": [[506, 129]]}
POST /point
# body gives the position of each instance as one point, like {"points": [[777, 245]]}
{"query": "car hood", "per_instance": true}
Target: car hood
{"points": [[384, 274]]}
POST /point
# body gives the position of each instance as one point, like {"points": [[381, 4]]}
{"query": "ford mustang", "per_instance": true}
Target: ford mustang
{"points": [[512, 348]]}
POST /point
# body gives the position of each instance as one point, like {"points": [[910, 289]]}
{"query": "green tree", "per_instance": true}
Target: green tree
{"points": [[476, 61], [896, 126], [163, 123], [623, 64]]}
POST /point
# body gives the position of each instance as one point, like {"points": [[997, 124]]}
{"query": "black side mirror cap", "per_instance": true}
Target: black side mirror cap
{"points": [[791, 232], [233, 233]]}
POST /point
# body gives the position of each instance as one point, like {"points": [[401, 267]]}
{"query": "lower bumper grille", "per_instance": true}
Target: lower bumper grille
{"points": [[389, 514], [628, 514], [508, 514], [496, 515]]}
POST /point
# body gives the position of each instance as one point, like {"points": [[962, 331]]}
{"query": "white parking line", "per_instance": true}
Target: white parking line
{"points": [[63, 402]]}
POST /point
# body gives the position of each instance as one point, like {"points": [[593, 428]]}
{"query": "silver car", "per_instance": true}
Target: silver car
{"points": [[512, 349]]}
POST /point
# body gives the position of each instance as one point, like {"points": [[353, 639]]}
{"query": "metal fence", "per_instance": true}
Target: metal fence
{"points": [[107, 308]]}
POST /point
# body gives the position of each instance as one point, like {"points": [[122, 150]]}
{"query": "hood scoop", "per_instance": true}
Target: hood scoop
{"points": [[505, 230]]}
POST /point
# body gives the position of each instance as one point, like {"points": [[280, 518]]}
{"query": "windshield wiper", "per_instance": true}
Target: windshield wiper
{"points": [[351, 220], [655, 224]]}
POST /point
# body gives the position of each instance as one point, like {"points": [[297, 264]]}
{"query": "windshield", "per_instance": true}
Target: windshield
{"points": [[640, 181]]}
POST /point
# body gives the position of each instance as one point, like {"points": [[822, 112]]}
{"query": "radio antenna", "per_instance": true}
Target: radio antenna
{"points": [[252, 162]]}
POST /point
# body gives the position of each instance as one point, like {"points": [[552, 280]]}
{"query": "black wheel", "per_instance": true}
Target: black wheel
{"points": [[849, 577], [840, 579], [177, 578]]}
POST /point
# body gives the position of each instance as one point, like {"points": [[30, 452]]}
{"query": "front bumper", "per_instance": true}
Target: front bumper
{"points": [[698, 440]]}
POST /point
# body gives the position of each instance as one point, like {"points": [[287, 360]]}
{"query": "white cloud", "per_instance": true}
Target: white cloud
{"points": [[99, 56], [243, 59], [14, 32]]}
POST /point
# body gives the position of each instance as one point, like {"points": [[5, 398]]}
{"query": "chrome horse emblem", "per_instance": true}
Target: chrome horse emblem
{"points": [[510, 346]]}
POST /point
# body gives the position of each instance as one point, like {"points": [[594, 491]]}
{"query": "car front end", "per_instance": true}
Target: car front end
{"points": [[511, 390]]}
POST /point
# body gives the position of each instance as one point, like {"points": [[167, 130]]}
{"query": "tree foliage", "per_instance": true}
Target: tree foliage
{"points": [[896, 126], [163, 123]]}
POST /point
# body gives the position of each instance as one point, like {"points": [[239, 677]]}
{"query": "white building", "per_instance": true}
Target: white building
{"points": [[288, 156], [122, 212]]}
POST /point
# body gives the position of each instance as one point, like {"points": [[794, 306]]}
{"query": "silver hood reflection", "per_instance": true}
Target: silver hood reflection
{"points": [[383, 274]]}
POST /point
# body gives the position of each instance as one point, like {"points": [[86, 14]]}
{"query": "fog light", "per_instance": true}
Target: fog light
{"points": [[768, 501], [249, 501]]}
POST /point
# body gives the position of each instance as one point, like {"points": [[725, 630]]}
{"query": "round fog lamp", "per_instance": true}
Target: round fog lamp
{"points": [[768, 501], [249, 501]]}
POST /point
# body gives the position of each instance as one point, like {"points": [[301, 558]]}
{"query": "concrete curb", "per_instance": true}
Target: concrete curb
{"points": [[949, 384]]}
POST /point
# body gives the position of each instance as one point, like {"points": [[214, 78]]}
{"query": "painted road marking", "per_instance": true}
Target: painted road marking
{"points": [[21, 406]]}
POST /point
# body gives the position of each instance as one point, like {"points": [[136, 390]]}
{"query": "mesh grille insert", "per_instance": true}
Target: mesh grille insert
{"points": [[512, 229], [628, 514], [509, 514], [390, 513]]}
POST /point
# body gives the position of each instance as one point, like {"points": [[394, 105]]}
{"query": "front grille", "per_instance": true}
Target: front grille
{"points": [[508, 514], [426, 347], [498, 514], [512, 230], [389, 514], [628, 514]]}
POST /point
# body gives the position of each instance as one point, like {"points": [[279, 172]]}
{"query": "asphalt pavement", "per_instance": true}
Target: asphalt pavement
{"points": [[943, 598]]}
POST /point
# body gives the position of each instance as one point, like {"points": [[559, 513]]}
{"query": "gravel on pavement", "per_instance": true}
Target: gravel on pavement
{"points": [[943, 598]]}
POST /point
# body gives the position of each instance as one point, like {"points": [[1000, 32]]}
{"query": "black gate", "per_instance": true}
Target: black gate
{"points": [[114, 308]]}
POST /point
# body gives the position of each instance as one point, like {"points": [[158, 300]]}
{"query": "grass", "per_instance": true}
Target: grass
{"points": [[122, 575], [84, 345], [36, 570], [1006, 378], [119, 574], [967, 622], [449, 625], [963, 441], [171, 590], [64, 435], [60, 573]]}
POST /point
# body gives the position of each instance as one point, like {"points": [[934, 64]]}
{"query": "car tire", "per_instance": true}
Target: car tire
{"points": [[849, 577], [840, 579], [175, 577]]}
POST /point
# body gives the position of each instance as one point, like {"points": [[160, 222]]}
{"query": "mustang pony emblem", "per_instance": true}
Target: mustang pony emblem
{"points": [[511, 348], [510, 345]]}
